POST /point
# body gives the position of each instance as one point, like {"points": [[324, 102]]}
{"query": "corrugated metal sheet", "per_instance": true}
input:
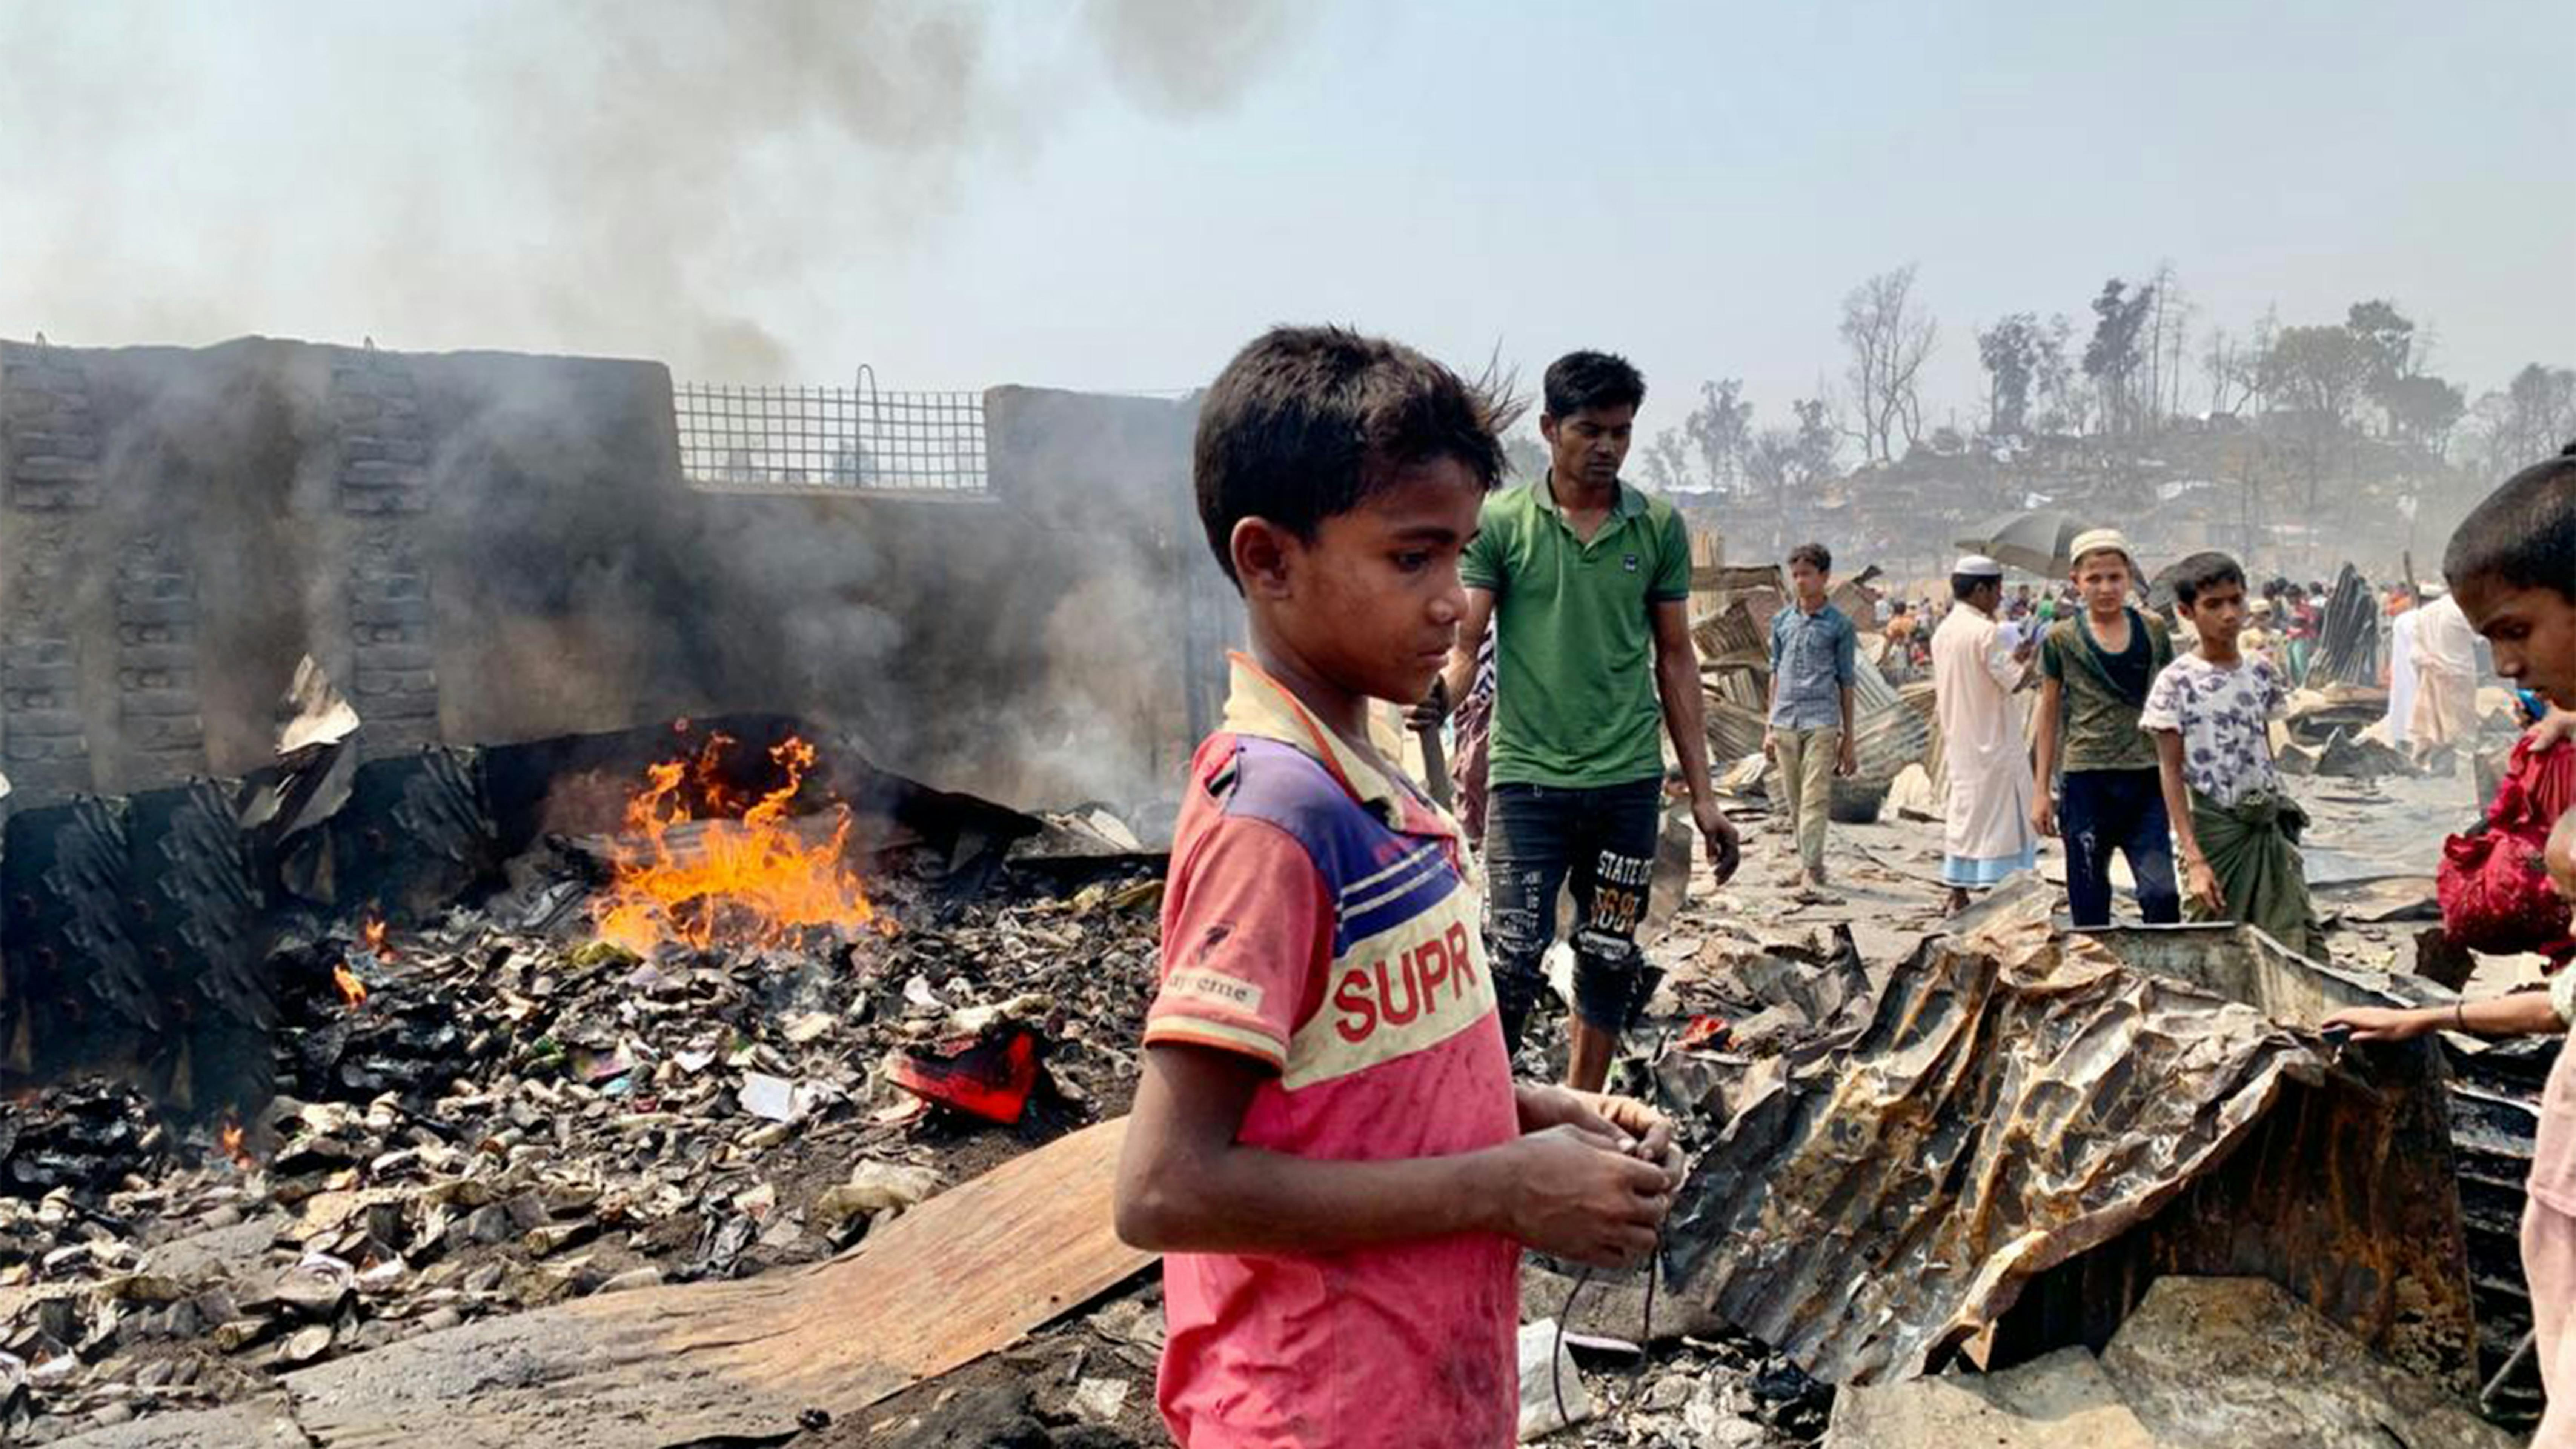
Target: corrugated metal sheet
{"points": [[2023, 1106]]}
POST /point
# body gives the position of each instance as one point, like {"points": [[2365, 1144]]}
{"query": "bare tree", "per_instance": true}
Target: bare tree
{"points": [[2067, 408], [1890, 338], [2527, 420], [2174, 311], [1783, 460], [2221, 369]]}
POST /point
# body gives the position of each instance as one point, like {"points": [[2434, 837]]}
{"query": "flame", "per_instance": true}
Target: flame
{"points": [[372, 931], [352, 990], [230, 1136], [743, 876]]}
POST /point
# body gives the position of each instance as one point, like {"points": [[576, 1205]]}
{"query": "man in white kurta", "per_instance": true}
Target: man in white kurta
{"points": [[1976, 664], [2401, 674], [2445, 713]]}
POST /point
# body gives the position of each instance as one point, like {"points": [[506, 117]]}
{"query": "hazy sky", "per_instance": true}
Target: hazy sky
{"points": [[1117, 195]]}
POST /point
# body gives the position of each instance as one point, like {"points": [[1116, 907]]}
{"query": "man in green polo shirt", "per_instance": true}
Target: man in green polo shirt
{"points": [[1587, 582]]}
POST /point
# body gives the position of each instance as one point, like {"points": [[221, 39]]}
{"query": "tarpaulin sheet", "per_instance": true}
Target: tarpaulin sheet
{"points": [[2013, 1103]]}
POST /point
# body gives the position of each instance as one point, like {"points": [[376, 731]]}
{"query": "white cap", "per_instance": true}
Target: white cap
{"points": [[2095, 540], [1977, 566]]}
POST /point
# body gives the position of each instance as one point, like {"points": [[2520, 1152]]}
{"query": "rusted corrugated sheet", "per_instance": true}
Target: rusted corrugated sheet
{"points": [[2016, 1105], [1731, 638]]}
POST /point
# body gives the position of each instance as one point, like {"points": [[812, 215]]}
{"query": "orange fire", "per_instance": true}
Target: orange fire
{"points": [[352, 990], [372, 931], [230, 1136], [742, 873]]}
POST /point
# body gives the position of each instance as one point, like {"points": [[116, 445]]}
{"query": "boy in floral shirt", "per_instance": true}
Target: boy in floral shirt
{"points": [[2235, 827]]}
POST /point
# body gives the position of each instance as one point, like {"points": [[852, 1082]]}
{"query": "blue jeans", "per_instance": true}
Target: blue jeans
{"points": [[1536, 836], [2100, 811]]}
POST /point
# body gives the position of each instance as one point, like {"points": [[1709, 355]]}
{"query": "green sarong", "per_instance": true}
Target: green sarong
{"points": [[2253, 849]]}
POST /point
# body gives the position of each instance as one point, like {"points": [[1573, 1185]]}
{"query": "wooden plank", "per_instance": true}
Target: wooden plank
{"points": [[963, 1274]]}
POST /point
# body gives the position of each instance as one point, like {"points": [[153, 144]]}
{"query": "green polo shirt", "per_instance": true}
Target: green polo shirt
{"points": [[1574, 635]]}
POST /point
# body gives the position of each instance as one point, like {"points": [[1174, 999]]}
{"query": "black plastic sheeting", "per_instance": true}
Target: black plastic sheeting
{"points": [[2348, 636]]}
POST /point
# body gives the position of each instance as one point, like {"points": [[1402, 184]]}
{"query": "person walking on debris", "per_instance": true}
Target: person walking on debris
{"points": [[1977, 663], [1327, 1144], [2096, 668], [1814, 651], [2401, 668], [2512, 566], [1900, 631], [2210, 713], [1587, 583], [2445, 715]]}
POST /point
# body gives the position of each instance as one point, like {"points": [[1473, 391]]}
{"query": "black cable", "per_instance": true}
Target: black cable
{"points": [[1565, 1315], [1556, 1352]]}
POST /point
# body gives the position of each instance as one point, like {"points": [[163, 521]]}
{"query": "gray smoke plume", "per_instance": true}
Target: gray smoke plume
{"points": [[662, 178]]}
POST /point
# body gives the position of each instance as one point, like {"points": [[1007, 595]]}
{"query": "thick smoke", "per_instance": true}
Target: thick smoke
{"points": [[666, 178]]}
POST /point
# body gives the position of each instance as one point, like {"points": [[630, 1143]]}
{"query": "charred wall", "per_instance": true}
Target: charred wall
{"points": [[489, 548], [1028, 643]]}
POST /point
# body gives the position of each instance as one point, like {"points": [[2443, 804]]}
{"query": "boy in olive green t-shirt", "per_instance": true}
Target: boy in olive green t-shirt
{"points": [[2096, 669]]}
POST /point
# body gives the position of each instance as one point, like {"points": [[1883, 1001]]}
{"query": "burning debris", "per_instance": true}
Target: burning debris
{"points": [[688, 1051], [702, 862]]}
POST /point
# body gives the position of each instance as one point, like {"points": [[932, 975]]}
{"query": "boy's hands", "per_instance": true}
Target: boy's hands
{"points": [[2201, 884], [1577, 1194], [1847, 758], [2043, 817], [1640, 1130]]}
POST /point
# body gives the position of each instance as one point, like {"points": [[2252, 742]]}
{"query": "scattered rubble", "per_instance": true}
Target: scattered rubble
{"points": [[496, 1119], [2233, 1361]]}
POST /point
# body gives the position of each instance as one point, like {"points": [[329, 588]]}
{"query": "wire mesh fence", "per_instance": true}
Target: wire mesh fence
{"points": [[847, 437]]}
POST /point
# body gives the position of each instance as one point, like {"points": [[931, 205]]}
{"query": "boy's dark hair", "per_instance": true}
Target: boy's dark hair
{"points": [[2524, 535], [2202, 572], [1962, 585], [1812, 553], [1306, 422], [1580, 380], [1903, 607]]}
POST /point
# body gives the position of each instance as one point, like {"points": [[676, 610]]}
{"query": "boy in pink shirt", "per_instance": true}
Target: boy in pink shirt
{"points": [[1327, 1145], [2512, 566]]}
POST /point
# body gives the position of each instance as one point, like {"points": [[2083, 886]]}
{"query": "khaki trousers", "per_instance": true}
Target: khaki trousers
{"points": [[1806, 759]]}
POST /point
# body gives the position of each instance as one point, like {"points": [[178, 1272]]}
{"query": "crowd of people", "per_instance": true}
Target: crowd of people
{"points": [[1328, 1144]]}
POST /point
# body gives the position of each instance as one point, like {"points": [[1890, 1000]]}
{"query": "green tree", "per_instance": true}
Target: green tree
{"points": [[1721, 428], [2010, 351], [1667, 462], [2388, 335], [2321, 370], [2113, 357], [2421, 408], [2320, 374]]}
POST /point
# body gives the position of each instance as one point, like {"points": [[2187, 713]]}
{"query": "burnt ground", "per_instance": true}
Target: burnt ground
{"points": [[562, 1054]]}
